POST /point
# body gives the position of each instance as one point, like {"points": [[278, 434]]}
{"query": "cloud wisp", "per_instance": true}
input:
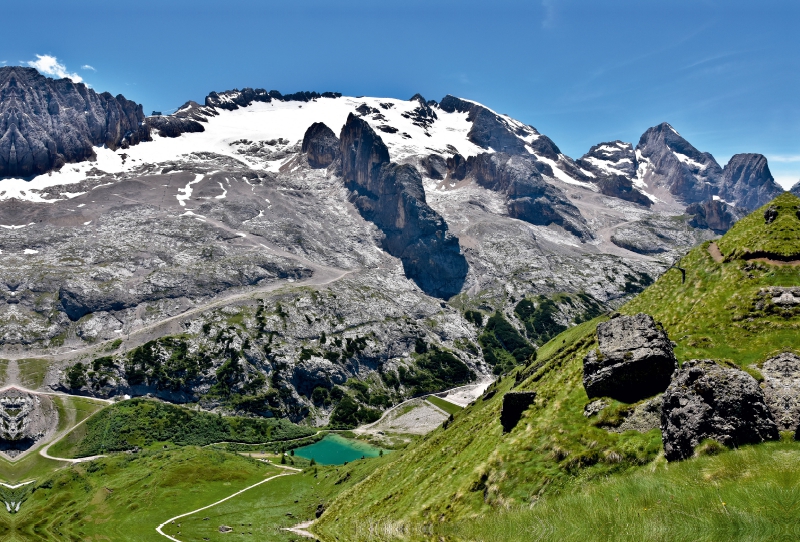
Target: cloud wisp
{"points": [[88, 67], [49, 65]]}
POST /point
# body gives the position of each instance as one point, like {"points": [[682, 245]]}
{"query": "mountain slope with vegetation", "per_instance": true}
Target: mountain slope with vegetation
{"points": [[727, 308]]}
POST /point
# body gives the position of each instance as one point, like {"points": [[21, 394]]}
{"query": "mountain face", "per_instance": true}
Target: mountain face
{"points": [[392, 197], [256, 246], [45, 123], [671, 163], [747, 181]]}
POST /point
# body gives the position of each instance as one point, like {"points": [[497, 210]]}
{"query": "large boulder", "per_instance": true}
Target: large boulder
{"points": [[321, 145], [782, 389], [634, 359], [707, 400]]}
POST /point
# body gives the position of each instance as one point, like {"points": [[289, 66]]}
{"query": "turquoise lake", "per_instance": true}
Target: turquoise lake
{"points": [[336, 450]]}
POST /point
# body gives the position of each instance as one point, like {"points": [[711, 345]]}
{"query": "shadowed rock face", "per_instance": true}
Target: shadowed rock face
{"points": [[514, 404], [45, 123], [614, 165], [714, 214], [321, 145], [392, 197], [708, 401], [692, 178], [530, 198], [488, 130], [173, 126], [26, 419], [635, 359], [747, 181]]}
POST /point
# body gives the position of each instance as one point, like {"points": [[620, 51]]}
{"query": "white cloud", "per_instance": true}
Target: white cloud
{"points": [[786, 158], [49, 65], [3, 62], [88, 67], [549, 7]]}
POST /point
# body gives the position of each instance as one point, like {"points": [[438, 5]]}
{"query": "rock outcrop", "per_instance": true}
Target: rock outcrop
{"points": [[714, 215], [45, 123], [747, 181], [392, 197], [782, 390], [434, 166], [321, 145], [172, 126], [514, 404], [707, 400], [490, 130], [530, 198], [613, 167], [610, 158], [25, 418], [634, 359], [674, 165]]}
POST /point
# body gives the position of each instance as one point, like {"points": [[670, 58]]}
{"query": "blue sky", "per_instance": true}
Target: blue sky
{"points": [[726, 74]]}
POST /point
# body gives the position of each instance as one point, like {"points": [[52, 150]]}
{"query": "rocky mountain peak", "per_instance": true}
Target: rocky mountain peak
{"points": [[45, 123], [321, 144], [747, 181], [673, 164]]}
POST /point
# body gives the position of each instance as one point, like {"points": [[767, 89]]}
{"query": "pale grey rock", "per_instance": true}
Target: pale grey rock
{"points": [[782, 388]]}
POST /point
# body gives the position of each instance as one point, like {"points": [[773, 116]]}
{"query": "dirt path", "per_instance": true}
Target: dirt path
{"points": [[44, 451], [229, 497], [715, 253]]}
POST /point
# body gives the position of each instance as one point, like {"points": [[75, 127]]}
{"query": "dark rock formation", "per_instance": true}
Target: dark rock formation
{"points": [[392, 197], [489, 130], [45, 123], [171, 126], [610, 158], [613, 166], [622, 187], [321, 144], [423, 115], [714, 215], [234, 99], [675, 165], [710, 401], [782, 390], [514, 404], [435, 166], [530, 198], [634, 359], [770, 214], [747, 182], [456, 167]]}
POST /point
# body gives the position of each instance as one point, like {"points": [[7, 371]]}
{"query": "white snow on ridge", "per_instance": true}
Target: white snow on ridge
{"points": [[607, 165], [688, 161], [278, 120], [562, 176]]}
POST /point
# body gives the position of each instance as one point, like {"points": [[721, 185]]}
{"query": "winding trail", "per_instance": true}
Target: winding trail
{"points": [[160, 528]]}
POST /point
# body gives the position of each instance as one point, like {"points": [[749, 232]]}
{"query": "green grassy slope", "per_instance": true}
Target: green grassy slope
{"points": [[748, 494], [472, 468], [717, 312], [753, 236]]}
